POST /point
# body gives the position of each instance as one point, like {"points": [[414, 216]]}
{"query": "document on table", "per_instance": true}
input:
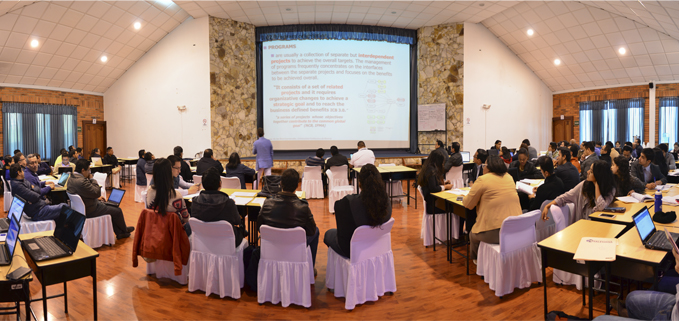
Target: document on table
{"points": [[258, 200], [522, 187], [596, 249], [243, 194], [663, 187], [636, 198], [299, 194], [458, 191], [537, 182], [242, 200], [670, 200], [191, 196]]}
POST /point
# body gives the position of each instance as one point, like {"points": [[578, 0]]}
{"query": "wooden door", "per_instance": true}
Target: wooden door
{"points": [[562, 129], [94, 136]]}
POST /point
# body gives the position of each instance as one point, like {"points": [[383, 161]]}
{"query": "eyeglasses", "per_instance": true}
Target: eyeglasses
{"points": [[177, 168]]}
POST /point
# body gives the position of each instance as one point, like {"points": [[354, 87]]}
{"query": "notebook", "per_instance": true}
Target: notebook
{"points": [[465, 157], [15, 210], [7, 248], [64, 241], [650, 237], [116, 197]]}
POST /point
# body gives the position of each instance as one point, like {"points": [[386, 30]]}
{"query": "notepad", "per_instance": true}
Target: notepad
{"points": [[636, 198], [537, 182], [258, 200], [458, 191], [191, 196], [596, 249], [525, 188], [299, 194], [242, 200], [243, 194]]}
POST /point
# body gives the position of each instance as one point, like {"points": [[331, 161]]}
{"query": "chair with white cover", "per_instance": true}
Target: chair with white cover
{"points": [[165, 270], [454, 175], [286, 269], [435, 224], [101, 180], [138, 189], [394, 188], [7, 195], [515, 262], [545, 229], [198, 179], [337, 187], [339, 176], [369, 273], [561, 217], [312, 184], [97, 230], [215, 263], [29, 226], [231, 182]]}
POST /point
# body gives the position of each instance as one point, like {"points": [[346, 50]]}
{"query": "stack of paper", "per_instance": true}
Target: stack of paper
{"points": [[670, 200], [522, 187], [242, 200], [458, 191], [674, 173], [636, 198], [596, 249], [258, 200], [534, 182], [243, 194]]}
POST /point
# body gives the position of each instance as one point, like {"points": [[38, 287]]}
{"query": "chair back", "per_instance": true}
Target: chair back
{"points": [[424, 201], [518, 232], [283, 244], [100, 178], [454, 175], [368, 242], [313, 172], [212, 237], [5, 184], [77, 203], [230, 182], [337, 174], [149, 177], [560, 215], [198, 179]]}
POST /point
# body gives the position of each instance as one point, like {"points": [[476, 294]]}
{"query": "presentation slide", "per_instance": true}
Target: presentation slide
{"points": [[319, 93]]}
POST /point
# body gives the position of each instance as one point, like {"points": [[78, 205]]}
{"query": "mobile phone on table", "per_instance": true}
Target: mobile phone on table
{"points": [[669, 238], [606, 215], [460, 198]]}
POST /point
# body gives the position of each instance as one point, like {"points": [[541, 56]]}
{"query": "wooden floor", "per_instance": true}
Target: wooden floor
{"points": [[428, 287]]}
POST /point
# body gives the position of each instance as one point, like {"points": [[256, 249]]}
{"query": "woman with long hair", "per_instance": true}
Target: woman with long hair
{"points": [[371, 207], [162, 197], [660, 160], [506, 155], [625, 182], [591, 195], [431, 180], [235, 168]]}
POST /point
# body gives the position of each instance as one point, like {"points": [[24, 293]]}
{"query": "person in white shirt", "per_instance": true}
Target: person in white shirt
{"points": [[362, 156]]}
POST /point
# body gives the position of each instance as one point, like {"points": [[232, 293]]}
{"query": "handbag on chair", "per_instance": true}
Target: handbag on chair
{"points": [[270, 185]]}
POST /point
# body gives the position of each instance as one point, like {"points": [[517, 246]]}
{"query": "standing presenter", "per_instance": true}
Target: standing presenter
{"points": [[264, 159]]}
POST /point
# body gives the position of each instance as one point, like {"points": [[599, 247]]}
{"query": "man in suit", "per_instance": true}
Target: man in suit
{"points": [[532, 152], [565, 170], [441, 149], [82, 184], [185, 172], [590, 158], [207, 162], [336, 159], [455, 159], [627, 152], [479, 159], [263, 150], [36, 207], [646, 171]]}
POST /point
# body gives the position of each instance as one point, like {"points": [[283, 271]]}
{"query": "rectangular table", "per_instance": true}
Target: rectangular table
{"points": [[558, 250], [449, 203], [394, 173], [16, 290], [626, 217], [81, 264], [634, 261], [124, 162]]}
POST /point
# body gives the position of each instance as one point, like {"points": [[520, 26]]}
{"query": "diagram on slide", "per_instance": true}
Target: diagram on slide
{"points": [[378, 105]]}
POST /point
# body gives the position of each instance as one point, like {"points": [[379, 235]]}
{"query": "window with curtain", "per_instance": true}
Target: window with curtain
{"points": [[38, 128], [669, 120], [612, 120]]}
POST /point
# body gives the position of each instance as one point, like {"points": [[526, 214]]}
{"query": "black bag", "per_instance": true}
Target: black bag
{"points": [[270, 185]]}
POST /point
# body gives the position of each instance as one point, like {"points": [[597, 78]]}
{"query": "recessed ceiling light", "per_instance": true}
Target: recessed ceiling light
{"points": [[137, 25], [622, 50], [288, 9], [557, 61], [481, 4], [530, 32], [104, 58], [393, 12], [34, 43]]}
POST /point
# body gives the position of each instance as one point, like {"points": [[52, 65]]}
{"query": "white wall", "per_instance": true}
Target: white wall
{"points": [[521, 104], [140, 108]]}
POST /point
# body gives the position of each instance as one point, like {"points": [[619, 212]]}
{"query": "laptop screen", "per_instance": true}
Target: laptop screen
{"points": [[644, 223], [16, 209], [116, 196], [465, 157], [12, 235], [63, 179], [69, 227]]}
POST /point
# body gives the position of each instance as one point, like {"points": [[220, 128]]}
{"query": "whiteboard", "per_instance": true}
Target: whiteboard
{"points": [[431, 117]]}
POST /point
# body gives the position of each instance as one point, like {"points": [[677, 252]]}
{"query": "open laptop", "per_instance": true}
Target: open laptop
{"points": [[7, 248], [116, 197], [65, 169], [63, 179], [15, 210], [465, 157], [64, 241], [650, 237]]}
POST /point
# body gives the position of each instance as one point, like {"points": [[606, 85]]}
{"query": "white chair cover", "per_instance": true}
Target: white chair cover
{"points": [[339, 176], [97, 230], [312, 184], [370, 272], [7, 195], [197, 179], [561, 217], [165, 269], [337, 192], [396, 187], [29, 226], [115, 178], [286, 270], [231, 182], [426, 232], [215, 264], [149, 177], [515, 262], [101, 180], [454, 175], [544, 229], [140, 193]]}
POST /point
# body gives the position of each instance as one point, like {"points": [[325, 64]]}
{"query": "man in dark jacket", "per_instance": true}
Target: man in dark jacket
{"points": [[590, 157], [141, 175], [336, 159], [440, 148], [212, 205], [646, 171], [455, 159], [479, 159], [82, 184], [526, 168], [208, 161], [43, 167], [286, 210], [186, 169], [36, 208], [565, 170]]}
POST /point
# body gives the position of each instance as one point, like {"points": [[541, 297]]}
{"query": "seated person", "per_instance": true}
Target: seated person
{"points": [[62, 152], [235, 168], [286, 210], [506, 155], [526, 168], [532, 152], [454, 160], [605, 154], [659, 160], [316, 160], [43, 167], [440, 148], [149, 159], [625, 182], [111, 159], [431, 180], [552, 151], [647, 172], [82, 183], [139, 170], [565, 170], [212, 205], [588, 157], [177, 180], [552, 188], [575, 160], [20, 159], [669, 158], [31, 175], [208, 161], [79, 154], [186, 168], [36, 207], [371, 207], [479, 159], [362, 156], [162, 197], [95, 153], [9, 161], [627, 152], [336, 159], [65, 162]]}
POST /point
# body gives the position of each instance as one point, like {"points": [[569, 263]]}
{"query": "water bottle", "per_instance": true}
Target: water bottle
{"points": [[658, 201]]}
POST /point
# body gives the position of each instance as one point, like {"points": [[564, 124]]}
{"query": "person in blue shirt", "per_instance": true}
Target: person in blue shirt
{"points": [[43, 168], [141, 175], [263, 150], [31, 175], [316, 160], [235, 168]]}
